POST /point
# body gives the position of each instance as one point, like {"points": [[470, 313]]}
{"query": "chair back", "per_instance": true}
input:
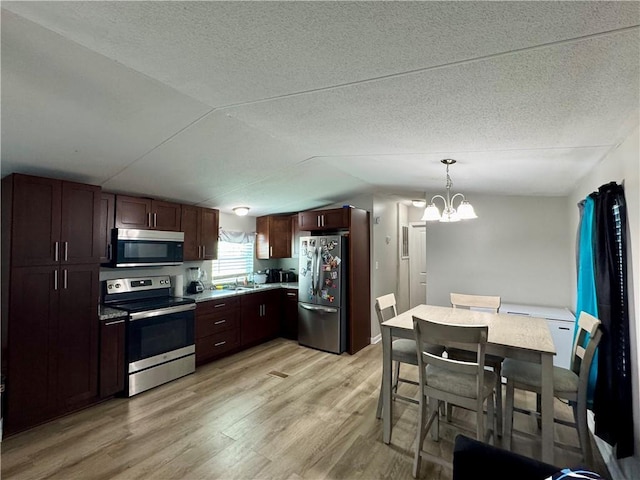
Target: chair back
{"points": [[489, 303], [447, 335], [585, 343], [386, 307]]}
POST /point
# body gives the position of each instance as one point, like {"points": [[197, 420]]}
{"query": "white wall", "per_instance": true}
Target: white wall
{"points": [[235, 223], [621, 165], [517, 248], [384, 267], [403, 263]]}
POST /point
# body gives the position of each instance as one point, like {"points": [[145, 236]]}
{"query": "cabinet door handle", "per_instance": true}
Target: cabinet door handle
{"points": [[55, 279], [219, 305], [204, 249], [271, 251], [56, 252], [155, 219], [149, 219], [564, 328], [318, 221], [290, 294], [66, 251], [64, 279], [113, 323], [323, 220], [219, 322], [219, 344]]}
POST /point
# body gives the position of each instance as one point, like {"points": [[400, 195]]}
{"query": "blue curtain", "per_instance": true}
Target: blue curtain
{"points": [[587, 300]]}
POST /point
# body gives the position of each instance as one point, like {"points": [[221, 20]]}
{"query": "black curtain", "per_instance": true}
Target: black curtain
{"points": [[612, 402]]}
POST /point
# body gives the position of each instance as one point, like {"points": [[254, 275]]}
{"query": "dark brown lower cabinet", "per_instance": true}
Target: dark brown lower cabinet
{"points": [[217, 328], [227, 325], [259, 317], [51, 349], [112, 355], [289, 325]]}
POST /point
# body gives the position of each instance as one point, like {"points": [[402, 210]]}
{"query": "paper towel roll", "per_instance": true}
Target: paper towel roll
{"points": [[178, 285]]}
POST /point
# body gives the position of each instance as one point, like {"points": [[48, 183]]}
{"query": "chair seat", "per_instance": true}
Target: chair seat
{"points": [[458, 384], [467, 356], [528, 373], [404, 350]]}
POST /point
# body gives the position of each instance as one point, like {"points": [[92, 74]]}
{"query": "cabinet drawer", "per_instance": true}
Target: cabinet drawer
{"points": [[214, 345], [217, 307], [216, 322]]}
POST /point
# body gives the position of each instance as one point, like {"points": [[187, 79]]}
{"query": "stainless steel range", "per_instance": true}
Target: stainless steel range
{"points": [[160, 341]]}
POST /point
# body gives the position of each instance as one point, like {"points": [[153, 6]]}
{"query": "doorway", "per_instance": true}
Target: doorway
{"points": [[417, 264]]}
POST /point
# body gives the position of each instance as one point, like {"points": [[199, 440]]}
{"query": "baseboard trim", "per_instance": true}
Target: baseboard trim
{"points": [[376, 339]]}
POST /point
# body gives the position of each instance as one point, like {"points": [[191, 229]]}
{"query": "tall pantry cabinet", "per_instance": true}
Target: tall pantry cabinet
{"points": [[50, 289]]}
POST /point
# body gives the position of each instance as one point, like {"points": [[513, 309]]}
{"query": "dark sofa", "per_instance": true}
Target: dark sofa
{"points": [[473, 459]]}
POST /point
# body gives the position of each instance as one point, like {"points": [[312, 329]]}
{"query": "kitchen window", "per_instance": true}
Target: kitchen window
{"points": [[236, 252]]}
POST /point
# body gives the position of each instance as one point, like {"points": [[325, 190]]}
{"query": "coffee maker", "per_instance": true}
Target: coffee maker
{"points": [[195, 274]]}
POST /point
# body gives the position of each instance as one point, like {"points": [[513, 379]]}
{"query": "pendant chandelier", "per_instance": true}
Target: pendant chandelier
{"points": [[449, 214]]}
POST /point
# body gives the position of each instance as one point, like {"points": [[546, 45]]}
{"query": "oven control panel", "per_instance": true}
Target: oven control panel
{"points": [[125, 285]]}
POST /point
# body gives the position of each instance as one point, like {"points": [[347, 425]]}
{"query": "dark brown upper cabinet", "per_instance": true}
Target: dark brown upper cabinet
{"points": [[200, 227], [332, 219], [53, 221], [107, 222], [273, 237], [147, 214]]}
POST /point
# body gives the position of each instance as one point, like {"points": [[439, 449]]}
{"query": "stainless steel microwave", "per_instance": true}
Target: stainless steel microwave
{"points": [[144, 248]]}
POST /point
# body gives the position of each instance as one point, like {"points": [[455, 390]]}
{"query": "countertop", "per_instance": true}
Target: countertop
{"points": [[107, 313], [224, 293]]}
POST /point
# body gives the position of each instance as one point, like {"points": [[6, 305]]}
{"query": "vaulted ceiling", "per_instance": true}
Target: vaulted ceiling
{"points": [[285, 106]]}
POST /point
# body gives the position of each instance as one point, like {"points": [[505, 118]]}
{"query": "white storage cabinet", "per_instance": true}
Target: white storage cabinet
{"points": [[561, 324]]}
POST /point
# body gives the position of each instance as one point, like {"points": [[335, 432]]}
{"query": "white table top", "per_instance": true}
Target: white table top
{"points": [[530, 334], [527, 339]]}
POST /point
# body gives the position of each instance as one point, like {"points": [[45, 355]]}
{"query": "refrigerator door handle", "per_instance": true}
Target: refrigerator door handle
{"points": [[313, 272], [317, 308], [318, 270]]}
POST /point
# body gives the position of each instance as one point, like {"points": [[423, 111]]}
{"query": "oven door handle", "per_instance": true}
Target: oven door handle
{"points": [[161, 311]]}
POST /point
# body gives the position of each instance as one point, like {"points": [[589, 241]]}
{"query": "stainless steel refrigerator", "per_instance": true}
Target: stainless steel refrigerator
{"points": [[322, 294]]}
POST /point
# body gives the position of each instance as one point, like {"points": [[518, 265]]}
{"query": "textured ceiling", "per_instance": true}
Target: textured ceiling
{"points": [[285, 106]]}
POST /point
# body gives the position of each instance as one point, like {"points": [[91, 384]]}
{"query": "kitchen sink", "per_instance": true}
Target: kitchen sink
{"points": [[245, 288]]}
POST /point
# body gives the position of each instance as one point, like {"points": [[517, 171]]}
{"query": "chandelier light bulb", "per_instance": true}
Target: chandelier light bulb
{"points": [[449, 213]]}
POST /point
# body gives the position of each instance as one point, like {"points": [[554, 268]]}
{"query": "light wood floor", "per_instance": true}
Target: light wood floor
{"points": [[276, 411]]}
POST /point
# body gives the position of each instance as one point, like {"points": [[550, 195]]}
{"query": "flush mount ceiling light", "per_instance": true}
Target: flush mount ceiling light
{"points": [[241, 211], [419, 203], [449, 214]]}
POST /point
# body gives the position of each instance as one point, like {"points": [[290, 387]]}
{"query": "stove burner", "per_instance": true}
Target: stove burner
{"points": [[136, 306]]}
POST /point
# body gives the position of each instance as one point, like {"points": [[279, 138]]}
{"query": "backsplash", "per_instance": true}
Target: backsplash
{"points": [[259, 265]]}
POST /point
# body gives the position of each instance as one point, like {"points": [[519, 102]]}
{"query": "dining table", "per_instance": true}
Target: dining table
{"points": [[508, 336]]}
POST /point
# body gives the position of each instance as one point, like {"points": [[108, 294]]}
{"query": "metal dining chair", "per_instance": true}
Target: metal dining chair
{"points": [[570, 384], [463, 383], [487, 303]]}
